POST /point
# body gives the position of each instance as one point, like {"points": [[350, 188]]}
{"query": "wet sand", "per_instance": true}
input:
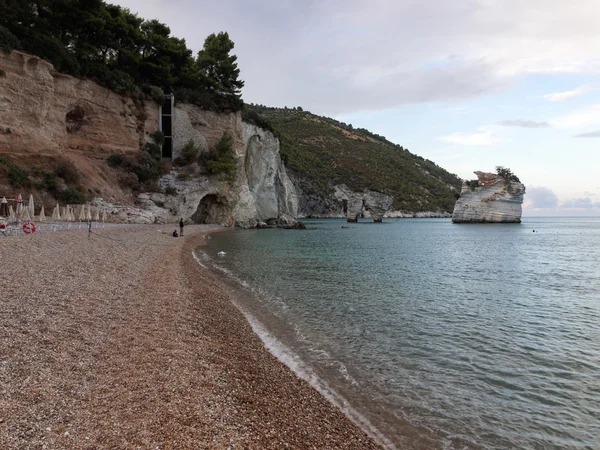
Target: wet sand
{"points": [[124, 341]]}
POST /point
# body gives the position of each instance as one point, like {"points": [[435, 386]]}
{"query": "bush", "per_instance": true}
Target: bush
{"points": [[68, 172], [72, 196], [147, 167], [473, 184], [188, 153], [170, 190], [155, 93], [129, 180], [6, 131], [18, 177], [2, 73], [183, 176], [50, 184], [223, 161], [8, 41], [115, 160], [158, 137], [507, 174], [179, 162], [154, 150]]}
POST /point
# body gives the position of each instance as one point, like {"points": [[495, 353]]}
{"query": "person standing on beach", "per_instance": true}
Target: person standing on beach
{"points": [[181, 227]]}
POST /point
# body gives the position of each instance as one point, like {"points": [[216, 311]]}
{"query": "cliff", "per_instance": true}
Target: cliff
{"points": [[322, 154], [49, 118], [493, 200]]}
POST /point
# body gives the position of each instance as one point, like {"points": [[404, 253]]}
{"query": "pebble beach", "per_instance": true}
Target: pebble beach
{"points": [[121, 340]]}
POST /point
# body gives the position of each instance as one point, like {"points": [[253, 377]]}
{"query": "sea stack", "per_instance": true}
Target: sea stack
{"points": [[492, 198]]}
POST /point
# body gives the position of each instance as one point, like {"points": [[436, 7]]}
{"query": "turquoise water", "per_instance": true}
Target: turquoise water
{"points": [[437, 335]]}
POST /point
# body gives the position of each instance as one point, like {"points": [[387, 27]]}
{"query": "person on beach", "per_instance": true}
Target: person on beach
{"points": [[175, 233], [181, 227]]}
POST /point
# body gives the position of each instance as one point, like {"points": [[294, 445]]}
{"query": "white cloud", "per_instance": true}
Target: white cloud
{"points": [[583, 118], [562, 96], [523, 123], [484, 137]]}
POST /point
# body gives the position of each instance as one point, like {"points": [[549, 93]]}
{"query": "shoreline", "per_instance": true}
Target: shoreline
{"points": [[129, 342]]}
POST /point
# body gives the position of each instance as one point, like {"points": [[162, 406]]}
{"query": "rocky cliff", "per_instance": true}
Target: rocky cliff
{"points": [[492, 199], [46, 114]]}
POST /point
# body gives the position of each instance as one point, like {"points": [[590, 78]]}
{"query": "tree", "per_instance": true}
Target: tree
{"points": [[217, 67]]}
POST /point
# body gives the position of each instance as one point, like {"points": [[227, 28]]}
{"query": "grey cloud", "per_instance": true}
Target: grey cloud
{"points": [[583, 203], [340, 56], [541, 197], [523, 123], [592, 134]]}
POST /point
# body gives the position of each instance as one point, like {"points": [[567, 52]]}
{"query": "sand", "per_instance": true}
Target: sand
{"points": [[124, 341]]}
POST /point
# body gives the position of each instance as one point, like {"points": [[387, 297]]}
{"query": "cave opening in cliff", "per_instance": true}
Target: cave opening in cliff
{"points": [[208, 209]]}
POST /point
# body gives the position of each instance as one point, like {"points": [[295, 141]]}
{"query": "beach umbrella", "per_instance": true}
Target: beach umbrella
{"points": [[25, 215], [4, 207], [18, 211], [31, 205], [82, 213], [42, 215], [88, 213], [11, 214], [103, 216], [65, 213], [97, 215], [56, 213], [69, 213]]}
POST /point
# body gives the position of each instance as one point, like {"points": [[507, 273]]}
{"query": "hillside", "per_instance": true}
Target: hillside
{"points": [[320, 152]]}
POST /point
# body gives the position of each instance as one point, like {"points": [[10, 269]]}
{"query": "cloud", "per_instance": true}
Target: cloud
{"points": [[580, 203], [591, 134], [539, 198], [523, 123], [341, 56], [562, 96], [483, 138], [583, 118]]}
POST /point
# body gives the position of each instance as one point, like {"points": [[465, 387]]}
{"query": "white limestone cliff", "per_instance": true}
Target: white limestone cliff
{"points": [[494, 200]]}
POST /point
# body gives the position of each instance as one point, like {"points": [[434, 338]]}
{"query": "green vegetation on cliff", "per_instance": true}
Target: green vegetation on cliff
{"points": [[119, 50], [322, 152]]}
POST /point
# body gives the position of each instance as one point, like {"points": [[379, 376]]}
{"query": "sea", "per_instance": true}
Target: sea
{"points": [[429, 334]]}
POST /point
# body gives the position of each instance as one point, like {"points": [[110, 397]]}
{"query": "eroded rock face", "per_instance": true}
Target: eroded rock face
{"points": [[495, 200], [261, 191], [51, 113]]}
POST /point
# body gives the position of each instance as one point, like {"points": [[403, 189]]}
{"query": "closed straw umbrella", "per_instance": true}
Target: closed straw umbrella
{"points": [[56, 213], [42, 215], [103, 216], [11, 214], [88, 213], [82, 213], [97, 215], [31, 205]]}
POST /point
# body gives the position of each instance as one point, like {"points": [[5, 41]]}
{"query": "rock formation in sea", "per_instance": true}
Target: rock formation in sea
{"points": [[491, 199]]}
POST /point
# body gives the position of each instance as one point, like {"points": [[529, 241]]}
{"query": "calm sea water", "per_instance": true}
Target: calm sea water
{"points": [[435, 335]]}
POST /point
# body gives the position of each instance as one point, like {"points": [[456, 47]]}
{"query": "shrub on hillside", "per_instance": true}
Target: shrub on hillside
{"points": [[188, 153], [72, 196], [8, 41], [115, 160], [18, 177], [68, 172], [222, 161]]}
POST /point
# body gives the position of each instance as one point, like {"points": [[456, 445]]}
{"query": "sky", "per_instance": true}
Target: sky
{"points": [[469, 84]]}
